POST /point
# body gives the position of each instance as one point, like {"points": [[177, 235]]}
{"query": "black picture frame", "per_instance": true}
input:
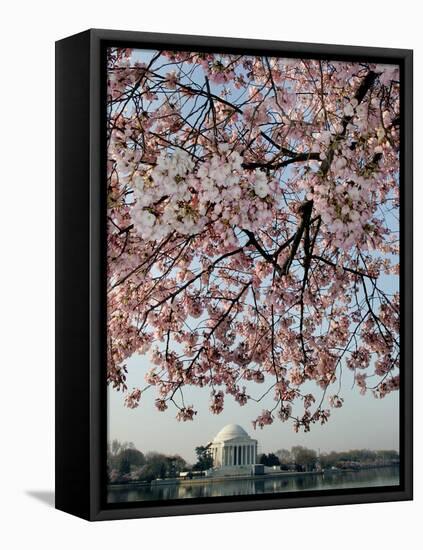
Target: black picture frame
{"points": [[80, 274]]}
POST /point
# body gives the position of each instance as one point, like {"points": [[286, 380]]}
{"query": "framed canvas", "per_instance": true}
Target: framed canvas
{"points": [[233, 274]]}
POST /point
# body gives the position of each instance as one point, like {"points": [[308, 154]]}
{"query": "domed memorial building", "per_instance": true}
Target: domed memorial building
{"points": [[233, 451]]}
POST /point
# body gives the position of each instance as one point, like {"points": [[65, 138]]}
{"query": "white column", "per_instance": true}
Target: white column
{"points": [[248, 454], [244, 458]]}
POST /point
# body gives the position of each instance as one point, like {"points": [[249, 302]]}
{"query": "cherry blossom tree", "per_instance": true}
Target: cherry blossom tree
{"points": [[253, 237]]}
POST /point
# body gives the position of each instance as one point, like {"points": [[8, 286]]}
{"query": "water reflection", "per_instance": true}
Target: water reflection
{"points": [[333, 480]]}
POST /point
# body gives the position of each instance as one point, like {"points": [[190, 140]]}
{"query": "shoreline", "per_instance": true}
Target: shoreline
{"points": [[219, 479]]}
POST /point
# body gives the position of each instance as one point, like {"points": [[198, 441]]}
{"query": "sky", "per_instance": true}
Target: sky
{"points": [[363, 421]]}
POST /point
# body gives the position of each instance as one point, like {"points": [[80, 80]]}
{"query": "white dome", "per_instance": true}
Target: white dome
{"points": [[231, 431]]}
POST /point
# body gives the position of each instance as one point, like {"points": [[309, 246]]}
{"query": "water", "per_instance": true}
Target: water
{"points": [[377, 477]]}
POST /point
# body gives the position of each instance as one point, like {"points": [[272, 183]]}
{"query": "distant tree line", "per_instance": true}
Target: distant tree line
{"points": [[362, 457], [301, 458], [126, 463], [298, 458]]}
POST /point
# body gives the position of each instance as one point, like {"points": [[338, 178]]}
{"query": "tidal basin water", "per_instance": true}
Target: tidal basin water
{"points": [[376, 477]]}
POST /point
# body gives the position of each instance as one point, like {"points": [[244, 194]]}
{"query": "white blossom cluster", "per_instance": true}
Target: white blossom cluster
{"points": [[344, 209], [177, 197]]}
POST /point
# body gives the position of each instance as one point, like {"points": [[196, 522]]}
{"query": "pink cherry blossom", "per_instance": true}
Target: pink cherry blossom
{"points": [[252, 240]]}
